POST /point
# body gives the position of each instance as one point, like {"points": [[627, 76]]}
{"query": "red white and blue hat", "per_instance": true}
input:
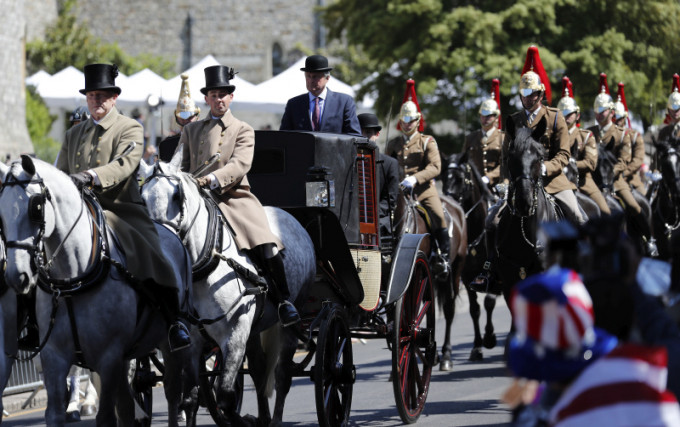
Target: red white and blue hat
{"points": [[555, 337]]}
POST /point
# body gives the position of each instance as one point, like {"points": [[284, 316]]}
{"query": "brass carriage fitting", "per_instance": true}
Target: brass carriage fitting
{"points": [[320, 187]]}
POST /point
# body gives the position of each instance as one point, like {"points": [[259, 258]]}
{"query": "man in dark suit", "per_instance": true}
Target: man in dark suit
{"points": [[320, 110], [387, 174]]}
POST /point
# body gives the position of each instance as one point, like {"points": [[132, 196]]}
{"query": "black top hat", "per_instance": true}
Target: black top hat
{"points": [[368, 121], [316, 64], [100, 77], [217, 77]]}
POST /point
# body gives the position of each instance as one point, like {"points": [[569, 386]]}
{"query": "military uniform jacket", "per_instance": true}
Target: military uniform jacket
{"points": [[586, 158], [94, 146], [234, 140], [485, 153], [418, 156], [637, 158], [556, 145], [617, 141]]}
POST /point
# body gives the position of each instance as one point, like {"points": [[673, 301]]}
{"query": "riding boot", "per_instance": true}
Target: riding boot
{"points": [[646, 232], [28, 321], [279, 292], [178, 333], [440, 269]]}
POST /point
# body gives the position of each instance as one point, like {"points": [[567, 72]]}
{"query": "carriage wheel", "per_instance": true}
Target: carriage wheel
{"points": [[334, 372], [209, 372], [414, 349], [143, 381]]}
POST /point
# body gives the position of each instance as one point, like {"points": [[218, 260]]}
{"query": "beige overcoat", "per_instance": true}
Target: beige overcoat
{"points": [[235, 141]]}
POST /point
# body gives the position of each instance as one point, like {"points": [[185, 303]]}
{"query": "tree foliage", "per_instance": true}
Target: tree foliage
{"points": [[68, 42], [453, 48], [39, 121]]}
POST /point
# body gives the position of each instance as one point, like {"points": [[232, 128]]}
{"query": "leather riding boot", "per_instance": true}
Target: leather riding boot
{"points": [[279, 292], [178, 333], [27, 321], [441, 268]]}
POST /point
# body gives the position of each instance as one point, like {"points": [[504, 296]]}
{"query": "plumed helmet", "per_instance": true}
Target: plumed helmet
{"points": [[409, 112], [530, 83], [411, 97], [568, 105], [489, 107], [674, 100], [603, 101], [80, 114], [620, 110], [186, 108]]}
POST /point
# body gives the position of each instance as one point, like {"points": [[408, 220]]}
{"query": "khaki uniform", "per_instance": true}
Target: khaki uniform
{"points": [[94, 146], [235, 141], [556, 145], [617, 140], [418, 156], [485, 153], [632, 172], [586, 162]]}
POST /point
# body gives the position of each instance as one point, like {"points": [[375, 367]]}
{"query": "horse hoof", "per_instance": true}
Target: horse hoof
{"points": [[476, 355], [446, 365], [72, 417], [489, 341], [88, 410]]}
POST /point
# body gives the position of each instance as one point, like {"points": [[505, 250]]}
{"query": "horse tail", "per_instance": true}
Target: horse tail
{"points": [[271, 344]]}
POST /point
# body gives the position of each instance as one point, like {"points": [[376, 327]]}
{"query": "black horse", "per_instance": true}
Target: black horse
{"points": [[464, 183], [528, 205], [604, 177], [666, 202]]}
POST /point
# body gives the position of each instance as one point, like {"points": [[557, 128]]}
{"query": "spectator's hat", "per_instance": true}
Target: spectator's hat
{"points": [[100, 77], [369, 121], [555, 337], [217, 77], [316, 64]]}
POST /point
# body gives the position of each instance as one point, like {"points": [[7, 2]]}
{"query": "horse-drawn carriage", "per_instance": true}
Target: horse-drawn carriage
{"points": [[368, 284]]}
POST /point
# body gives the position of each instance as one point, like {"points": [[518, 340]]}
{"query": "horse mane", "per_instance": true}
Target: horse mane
{"points": [[524, 140]]}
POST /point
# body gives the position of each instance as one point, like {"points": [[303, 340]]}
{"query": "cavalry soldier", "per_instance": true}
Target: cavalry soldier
{"points": [[583, 148], [556, 138], [618, 142], [632, 172], [103, 153], [185, 113], [484, 145], [673, 113], [420, 164], [222, 133]]}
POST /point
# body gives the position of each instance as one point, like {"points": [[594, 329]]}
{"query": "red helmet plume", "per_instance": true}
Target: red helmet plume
{"points": [[622, 97], [567, 89], [496, 94], [604, 87], [533, 63], [410, 95]]}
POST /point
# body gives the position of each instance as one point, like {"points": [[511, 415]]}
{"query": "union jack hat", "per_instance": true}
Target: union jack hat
{"points": [[554, 337]]}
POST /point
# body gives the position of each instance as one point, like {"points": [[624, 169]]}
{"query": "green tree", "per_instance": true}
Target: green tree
{"points": [[453, 48], [39, 121]]}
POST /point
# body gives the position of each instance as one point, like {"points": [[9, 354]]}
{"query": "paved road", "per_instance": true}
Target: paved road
{"points": [[467, 396]]}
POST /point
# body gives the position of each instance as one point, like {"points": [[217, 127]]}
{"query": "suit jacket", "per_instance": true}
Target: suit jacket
{"points": [[556, 144], [485, 154], [388, 186], [94, 146], [339, 114], [235, 141]]}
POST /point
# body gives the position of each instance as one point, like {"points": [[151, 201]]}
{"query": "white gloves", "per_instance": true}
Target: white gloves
{"points": [[544, 170], [409, 182], [485, 180]]}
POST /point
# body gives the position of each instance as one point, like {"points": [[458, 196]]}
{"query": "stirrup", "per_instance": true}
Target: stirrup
{"points": [[650, 247], [178, 337]]}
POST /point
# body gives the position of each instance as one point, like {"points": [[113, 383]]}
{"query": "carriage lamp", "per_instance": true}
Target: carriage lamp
{"points": [[320, 188]]}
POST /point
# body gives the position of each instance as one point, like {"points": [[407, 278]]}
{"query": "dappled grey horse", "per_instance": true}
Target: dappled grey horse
{"points": [[8, 329], [174, 198], [56, 242]]}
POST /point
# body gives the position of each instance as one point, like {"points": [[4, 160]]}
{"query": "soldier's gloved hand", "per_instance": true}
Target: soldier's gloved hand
{"points": [[485, 180], [204, 181], [544, 170], [409, 182], [82, 179]]}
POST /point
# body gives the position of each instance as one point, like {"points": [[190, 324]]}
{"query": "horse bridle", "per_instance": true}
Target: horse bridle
{"points": [[535, 185], [675, 200]]}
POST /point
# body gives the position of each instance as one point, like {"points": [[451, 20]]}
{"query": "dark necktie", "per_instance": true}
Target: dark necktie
{"points": [[315, 114]]}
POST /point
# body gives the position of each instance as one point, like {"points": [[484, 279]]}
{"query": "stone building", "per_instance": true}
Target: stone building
{"points": [[258, 38]]}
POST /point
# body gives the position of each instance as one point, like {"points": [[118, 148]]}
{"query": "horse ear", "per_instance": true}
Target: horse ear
{"points": [[27, 164], [510, 128], [463, 157], [144, 171], [539, 130], [176, 160]]}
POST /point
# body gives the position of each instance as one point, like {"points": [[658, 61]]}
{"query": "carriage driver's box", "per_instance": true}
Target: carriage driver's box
{"points": [[328, 182]]}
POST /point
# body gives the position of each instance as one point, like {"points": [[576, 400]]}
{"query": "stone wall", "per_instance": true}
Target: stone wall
{"points": [[14, 136], [237, 33]]}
